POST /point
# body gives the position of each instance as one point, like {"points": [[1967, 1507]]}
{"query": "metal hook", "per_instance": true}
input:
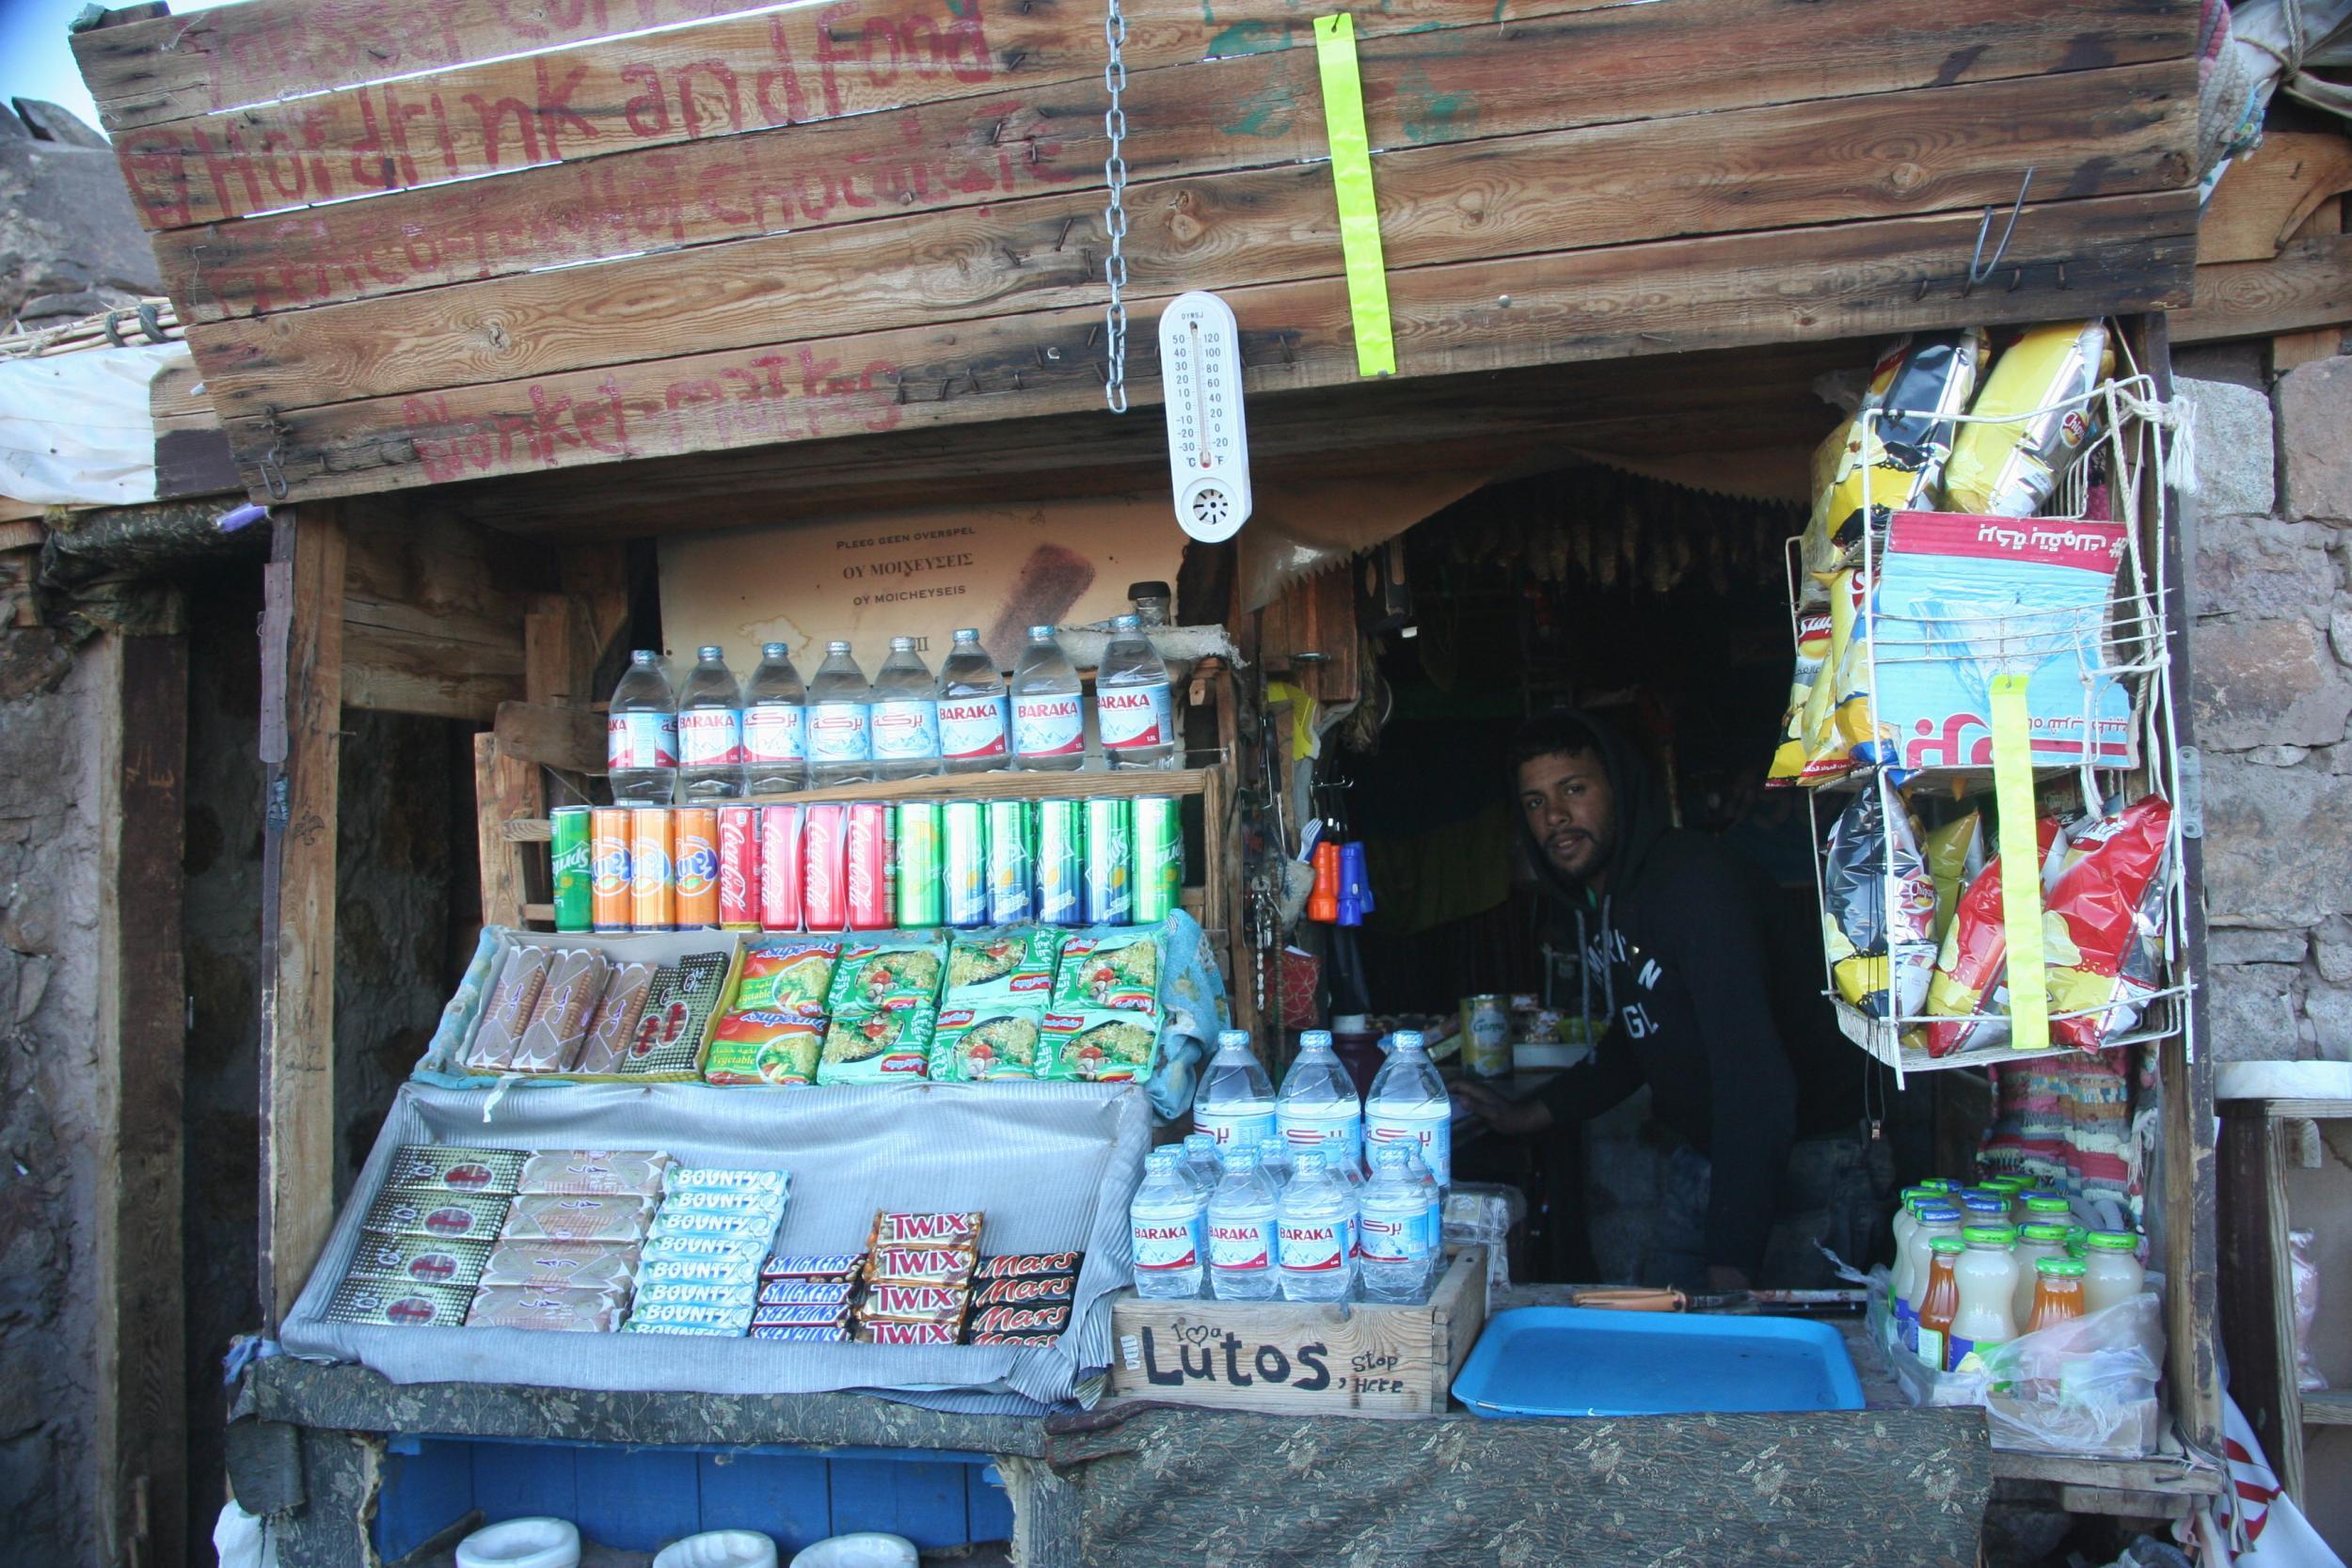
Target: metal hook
{"points": [[273, 476], [1980, 270]]}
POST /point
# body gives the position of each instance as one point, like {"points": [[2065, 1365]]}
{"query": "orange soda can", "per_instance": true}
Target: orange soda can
{"points": [[697, 867], [609, 835], [652, 875]]}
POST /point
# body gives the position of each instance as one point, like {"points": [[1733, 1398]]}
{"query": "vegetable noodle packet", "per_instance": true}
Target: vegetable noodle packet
{"points": [[978, 1044], [1115, 966], [896, 968], [764, 1048], [1101, 1044], [878, 1046], [1005, 964], [789, 978]]}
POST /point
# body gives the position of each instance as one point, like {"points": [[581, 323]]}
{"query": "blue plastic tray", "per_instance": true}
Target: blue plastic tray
{"points": [[1576, 1361]]}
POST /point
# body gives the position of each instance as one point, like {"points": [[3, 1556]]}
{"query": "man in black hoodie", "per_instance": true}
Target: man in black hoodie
{"points": [[1713, 998]]}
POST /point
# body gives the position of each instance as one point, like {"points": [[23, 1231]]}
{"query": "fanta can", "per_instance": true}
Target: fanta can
{"points": [[697, 867], [652, 873], [608, 859]]}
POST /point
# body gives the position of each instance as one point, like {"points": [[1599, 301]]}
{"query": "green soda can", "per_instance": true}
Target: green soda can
{"points": [[1109, 896], [1011, 885], [1156, 865], [1061, 863], [963, 844], [921, 899], [575, 876]]}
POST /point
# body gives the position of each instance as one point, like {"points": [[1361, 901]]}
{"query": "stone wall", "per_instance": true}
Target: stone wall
{"points": [[2270, 533]]}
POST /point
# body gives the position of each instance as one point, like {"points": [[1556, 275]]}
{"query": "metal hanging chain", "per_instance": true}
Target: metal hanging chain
{"points": [[1114, 214]]}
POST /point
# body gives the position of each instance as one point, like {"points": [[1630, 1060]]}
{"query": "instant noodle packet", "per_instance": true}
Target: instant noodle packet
{"points": [[1002, 966], [897, 969], [1101, 1044], [876, 1047], [764, 1048], [1113, 967], [977, 1044], [790, 976]]}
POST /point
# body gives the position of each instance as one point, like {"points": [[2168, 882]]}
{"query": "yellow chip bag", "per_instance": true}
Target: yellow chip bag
{"points": [[1916, 388], [1812, 653], [2007, 468], [1955, 853], [1827, 756]]}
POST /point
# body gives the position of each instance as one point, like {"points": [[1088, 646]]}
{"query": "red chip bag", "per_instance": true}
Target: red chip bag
{"points": [[2106, 903], [1968, 997]]}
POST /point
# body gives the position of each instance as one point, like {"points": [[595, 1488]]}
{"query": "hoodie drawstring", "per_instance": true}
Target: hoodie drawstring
{"points": [[1607, 959]]}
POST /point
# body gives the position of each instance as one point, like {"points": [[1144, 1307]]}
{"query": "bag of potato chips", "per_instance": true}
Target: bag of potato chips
{"points": [[1812, 653], [2036, 392], [1920, 382]]}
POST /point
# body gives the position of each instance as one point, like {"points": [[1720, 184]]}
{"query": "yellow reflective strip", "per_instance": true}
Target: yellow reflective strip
{"points": [[2021, 865], [1351, 180]]}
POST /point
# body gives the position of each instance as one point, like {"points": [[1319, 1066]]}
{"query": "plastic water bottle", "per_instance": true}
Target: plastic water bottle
{"points": [[1201, 1166], [1432, 1216], [1318, 1108], [640, 734], [1315, 1223], [1241, 1231], [1166, 1225], [905, 715], [1408, 1104], [1048, 728], [775, 733], [840, 738], [1133, 706], [1235, 1104], [974, 714], [1395, 1229], [711, 731]]}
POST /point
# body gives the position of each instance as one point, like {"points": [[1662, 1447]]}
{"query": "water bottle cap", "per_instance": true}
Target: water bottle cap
{"points": [[645, 655], [1040, 634], [901, 644], [967, 634], [1146, 591], [1308, 1161], [1233, 1037], [836, 647], [710, 653], [1163, 1158], [1408, 1040], [1199, 1140], [773, 649], [1127, 622], [1391, 1155], [1241, 1156], [1315, 1038]]}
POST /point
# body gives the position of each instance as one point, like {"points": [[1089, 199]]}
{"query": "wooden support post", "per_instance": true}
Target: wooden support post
{"points": [[504, 788], [2258, 1295], [142, 1007], [302, 631]]}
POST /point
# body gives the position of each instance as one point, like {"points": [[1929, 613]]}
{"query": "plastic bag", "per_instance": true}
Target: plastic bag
{"points": [[2306, 1273], [1827, 754], [1955, 854], [2008, 468], [1970, 987], [2105, 908], [1880, 957]]}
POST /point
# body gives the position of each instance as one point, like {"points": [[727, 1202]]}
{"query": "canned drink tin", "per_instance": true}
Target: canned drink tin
{"points": [[652, 873], [609, 882], [921, 896], [779, 868], [1156, 864], [866, 881], [575, 869], [1011, 895], [1109, 835], [1485, 1037], [738, 868], [824, 867], [697, 855], [1060, 866], [964, 864]]}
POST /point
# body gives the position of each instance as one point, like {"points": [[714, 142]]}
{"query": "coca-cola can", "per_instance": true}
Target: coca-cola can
{"points": [[738, 868], [824, 868], [869, 865], [780, 866]]}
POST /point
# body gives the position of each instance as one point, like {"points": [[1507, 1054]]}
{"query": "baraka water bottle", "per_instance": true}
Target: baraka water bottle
{"points": [[1132, 705], [1048, 729], [1235, 1104], [1165, 1225], [1408, 1104], [1201, 1166], [1393, 1227], [1318, 1108], [975, 713], [775, 731], [711, 731], [840, 739], [1315, 1223], [1242, 1230], [641, 733], [905, 710]]}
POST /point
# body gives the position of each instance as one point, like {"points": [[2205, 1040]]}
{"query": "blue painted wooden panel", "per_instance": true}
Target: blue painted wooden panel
{"points": [[924, 1502], [785, 1497], [511, 1480], [988, 1507], [428, 1486], [637, 1499]]}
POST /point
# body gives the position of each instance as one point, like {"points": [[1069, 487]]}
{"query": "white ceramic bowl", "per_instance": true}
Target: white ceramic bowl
{"points": [[536, 1542]]}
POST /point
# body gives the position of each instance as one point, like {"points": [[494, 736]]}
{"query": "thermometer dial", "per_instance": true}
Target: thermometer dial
{"points": [[1208, 443]]}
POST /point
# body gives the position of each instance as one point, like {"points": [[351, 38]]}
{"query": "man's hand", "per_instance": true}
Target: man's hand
{"points": [[1512, 1118], [1721, 1279]]}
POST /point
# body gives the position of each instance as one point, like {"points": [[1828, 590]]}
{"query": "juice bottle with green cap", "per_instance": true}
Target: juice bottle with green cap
{"points": [[2035, 1242], [1987, 1277], [2111, 1271], [1939, 1301], [1935, 1219]]}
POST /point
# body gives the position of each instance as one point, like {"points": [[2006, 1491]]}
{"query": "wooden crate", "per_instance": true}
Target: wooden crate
{"points": [[1352, 1358]]}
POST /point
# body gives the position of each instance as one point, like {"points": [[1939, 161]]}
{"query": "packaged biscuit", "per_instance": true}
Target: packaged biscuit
{"points": [[978, 1044], [801, 1315], [444, 1216], [1021, 1320], [566, 1007], [706, 1272], [575, 1217], [608, 1267], [420, 1260], [596, 1173], [1881, 956], [891, 1332], [1114, 967], [1788, 765], [805, 1292], [895, 1227], [667, 1046], [764, 1048], [2033, 418], [455, 1168], [897, 969], [804, 1335], [398, 1304], [1044, 1291], [679, 1314], [878, 1046], [789, 975], [546, 1311], [913, 1303], [829, 1265], [728, 1178], [1001, 965], [1101, 1044], [509, 1011], [1028, 1265], [605, 1047], [1916, 388], [920, 1265]]}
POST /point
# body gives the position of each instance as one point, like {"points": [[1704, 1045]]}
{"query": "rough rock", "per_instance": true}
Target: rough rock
{"points": [[2231, 944], [2233, 426], [2330, 1010], [2340, 628], [2263, 567], [67, 225], [56, 123], [2262, 683], [2277, 843], [2251, 1013], [2331, 947], [2314, 414]]}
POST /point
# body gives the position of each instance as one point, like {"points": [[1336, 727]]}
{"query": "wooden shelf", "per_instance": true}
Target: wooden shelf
{"points": [[2328, 1408], [2283, 1110]]}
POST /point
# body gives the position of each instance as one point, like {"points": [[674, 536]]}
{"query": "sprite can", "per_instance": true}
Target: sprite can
{"points": [[1109, 896], [964, 849], [1156, 865], [1010, 886], [1060, 868], [574, 870], [921, 893]]}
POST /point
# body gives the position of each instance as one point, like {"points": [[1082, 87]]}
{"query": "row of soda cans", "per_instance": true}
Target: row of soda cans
{"points": [[867, 866]]}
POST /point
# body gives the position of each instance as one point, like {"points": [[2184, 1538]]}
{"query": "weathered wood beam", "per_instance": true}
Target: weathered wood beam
{"points": [[2309, 284]]}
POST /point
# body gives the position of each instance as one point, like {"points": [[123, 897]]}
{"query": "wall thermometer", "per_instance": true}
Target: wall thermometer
{"points": [[1208, 444]]}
